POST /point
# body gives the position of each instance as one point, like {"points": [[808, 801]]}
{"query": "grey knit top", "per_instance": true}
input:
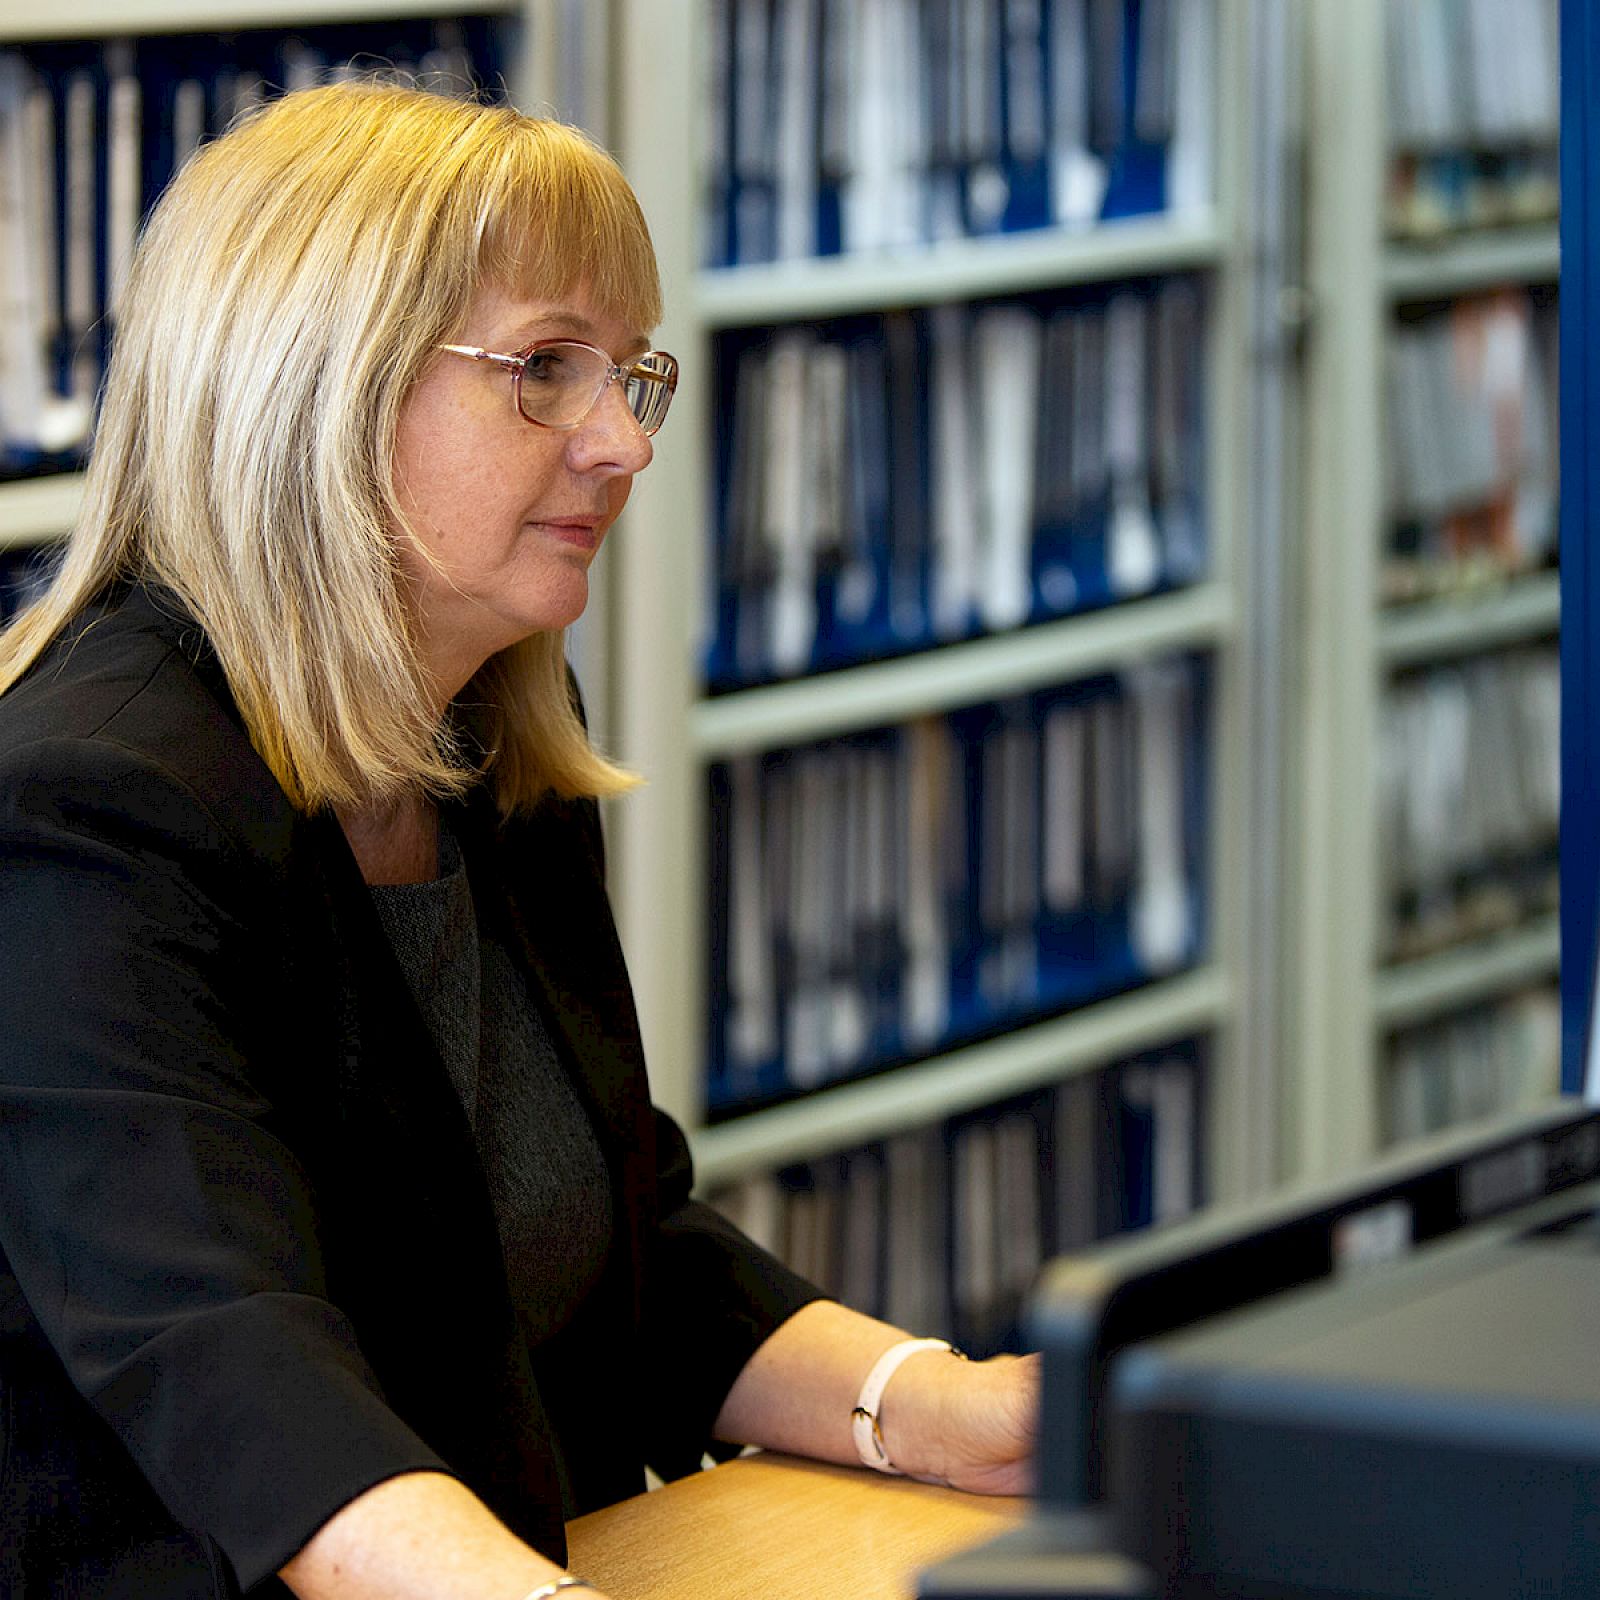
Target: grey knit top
{"points": [[546, 1174]]}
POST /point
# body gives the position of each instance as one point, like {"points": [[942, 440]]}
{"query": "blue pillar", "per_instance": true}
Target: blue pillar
{"points": [[1580, 512]]}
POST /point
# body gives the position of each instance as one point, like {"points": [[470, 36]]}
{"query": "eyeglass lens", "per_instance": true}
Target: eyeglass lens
{"points": [[561, 382]]}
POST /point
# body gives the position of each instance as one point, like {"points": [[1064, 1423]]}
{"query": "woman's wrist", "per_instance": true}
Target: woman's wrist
{"points": [[412, 1537], [916, 1409], [865, 1419]]}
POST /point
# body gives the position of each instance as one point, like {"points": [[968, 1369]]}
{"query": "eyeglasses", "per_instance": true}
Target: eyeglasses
{"points": [[557, 382]]}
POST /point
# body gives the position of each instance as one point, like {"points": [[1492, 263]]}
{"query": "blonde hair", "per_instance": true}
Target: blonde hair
{"points": [[289, 289]]}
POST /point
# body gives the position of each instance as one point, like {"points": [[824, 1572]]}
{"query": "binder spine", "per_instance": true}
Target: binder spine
{"points": [[879, 897], [1483, 1061], [907, 122], [885, 484], [1474, 474], [942, 1229], [1469, 798], [1472, 91]]}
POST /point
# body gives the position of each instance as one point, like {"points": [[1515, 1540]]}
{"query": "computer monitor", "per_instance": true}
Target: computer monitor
{"points": [[1428, 1429], [1148, 1344], [1087, 1308]]}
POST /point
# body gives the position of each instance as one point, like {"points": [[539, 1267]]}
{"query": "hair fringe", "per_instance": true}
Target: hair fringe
{"points": [[323, 246]]}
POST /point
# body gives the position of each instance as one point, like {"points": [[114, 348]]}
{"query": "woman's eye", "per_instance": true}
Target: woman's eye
{"points": [[542, 366]]}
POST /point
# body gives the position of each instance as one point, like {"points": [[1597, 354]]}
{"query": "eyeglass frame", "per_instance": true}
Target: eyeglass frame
{"points": [[516, 363]]}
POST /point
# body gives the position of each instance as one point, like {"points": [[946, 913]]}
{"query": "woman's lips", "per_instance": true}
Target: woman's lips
{"points": [[583, 532]]}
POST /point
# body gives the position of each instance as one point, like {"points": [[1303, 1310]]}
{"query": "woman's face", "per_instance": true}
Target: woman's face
{"points": [[512, 513]]}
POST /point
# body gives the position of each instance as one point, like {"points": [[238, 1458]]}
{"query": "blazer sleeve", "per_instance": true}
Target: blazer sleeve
{"points": [[712, 1296], [159, 1225]]}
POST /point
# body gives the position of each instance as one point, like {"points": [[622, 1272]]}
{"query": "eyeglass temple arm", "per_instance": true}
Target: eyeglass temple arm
{"points": [[511, 363], [656, 364]]}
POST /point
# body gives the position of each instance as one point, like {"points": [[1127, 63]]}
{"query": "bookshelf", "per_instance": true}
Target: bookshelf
{"points": [[1509, 614], [668, 727], [1347, 997], [1031, 1057]]}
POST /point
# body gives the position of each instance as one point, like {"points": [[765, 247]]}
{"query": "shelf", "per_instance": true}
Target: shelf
{"points": [[1460, 264], [885, 692], [111, 18], [792, 291], [1454, 978], [1515, 613], [851, 1114], [35, 509]]}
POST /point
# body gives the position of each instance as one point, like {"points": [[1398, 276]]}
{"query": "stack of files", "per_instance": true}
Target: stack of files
{"points": [[1469, 797], [887, 484], [883, 896], [90, 133], [1473, 112], [944, 1229], [844, 126], [25, 573], [1475, 1064], [1473, 465]]}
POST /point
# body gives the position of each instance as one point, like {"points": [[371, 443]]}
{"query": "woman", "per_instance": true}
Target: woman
{"points": [[340, 1239]]}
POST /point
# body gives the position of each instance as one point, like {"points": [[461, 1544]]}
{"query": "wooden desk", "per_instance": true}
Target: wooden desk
{"points": [[771, 1527]]}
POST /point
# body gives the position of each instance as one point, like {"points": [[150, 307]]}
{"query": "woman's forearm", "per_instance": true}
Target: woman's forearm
{"points": [[969, 1423], [796, 1392], [421, 1536]]}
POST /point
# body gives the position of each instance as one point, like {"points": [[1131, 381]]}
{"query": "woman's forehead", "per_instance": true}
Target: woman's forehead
{"points": [[521, 317]]}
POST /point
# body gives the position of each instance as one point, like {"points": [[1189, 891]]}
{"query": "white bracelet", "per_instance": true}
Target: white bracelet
{"points": [[864, 1419], [546, 1590]]}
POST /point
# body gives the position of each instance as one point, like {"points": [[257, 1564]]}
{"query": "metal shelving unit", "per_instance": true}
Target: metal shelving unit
{"points": [[668, 730], [1415, 990], [1345, 1000]]}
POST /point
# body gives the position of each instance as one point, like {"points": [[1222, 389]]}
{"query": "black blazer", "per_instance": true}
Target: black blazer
{"points": [[249, 1264]]}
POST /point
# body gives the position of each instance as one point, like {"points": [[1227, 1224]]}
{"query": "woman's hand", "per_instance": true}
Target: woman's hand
{"points": [[970, 1424]]}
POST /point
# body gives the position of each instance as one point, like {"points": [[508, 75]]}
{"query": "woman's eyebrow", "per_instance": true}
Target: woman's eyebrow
{"points": [[571, 324]]}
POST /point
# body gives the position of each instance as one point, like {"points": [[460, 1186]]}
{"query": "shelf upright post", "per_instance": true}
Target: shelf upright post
{"points": [[1258, 523], [655, 834], [1330, 1109], [1237, 1160]]}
